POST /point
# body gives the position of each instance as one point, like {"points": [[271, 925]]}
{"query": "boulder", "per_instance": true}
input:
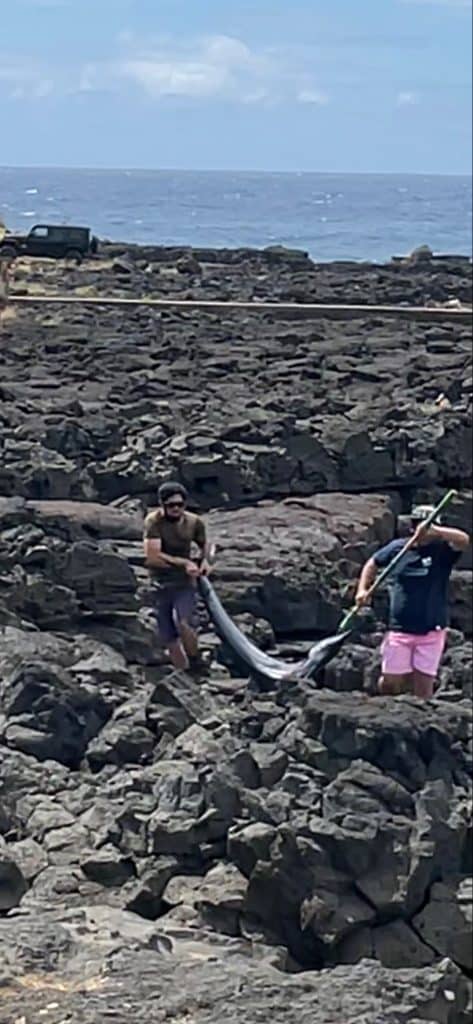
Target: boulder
{"points": [[445, 923], [286, 562]]}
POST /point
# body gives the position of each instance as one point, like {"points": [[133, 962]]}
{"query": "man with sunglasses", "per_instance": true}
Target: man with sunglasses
{"points": [[170, 531]]}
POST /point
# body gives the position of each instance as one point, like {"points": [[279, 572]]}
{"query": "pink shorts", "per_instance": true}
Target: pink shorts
{"points": [[404, 652]]}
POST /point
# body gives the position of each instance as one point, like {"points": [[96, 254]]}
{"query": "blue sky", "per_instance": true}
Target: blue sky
{"points": [[346, 85]]}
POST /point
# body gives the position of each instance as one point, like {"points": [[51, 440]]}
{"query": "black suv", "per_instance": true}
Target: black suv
{"points": [[50, 240]]}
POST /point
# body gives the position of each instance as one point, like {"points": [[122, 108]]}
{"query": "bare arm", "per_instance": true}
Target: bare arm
{"points": [[457, 539], [367, 578], [206, 549], [155, 557]]}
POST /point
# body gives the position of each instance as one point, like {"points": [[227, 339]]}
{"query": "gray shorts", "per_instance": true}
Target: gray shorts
{"points": [[175, 604]]}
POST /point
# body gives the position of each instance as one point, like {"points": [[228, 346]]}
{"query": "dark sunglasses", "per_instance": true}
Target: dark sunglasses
{"points": [[174, 504]]}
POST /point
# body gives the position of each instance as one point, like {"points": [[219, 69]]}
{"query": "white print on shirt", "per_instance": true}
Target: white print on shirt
{"points": [[417, 570]]}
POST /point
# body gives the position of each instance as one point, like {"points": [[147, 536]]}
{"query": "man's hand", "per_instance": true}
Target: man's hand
{"points": [[205, 567], [362, 598], [192, 569], [458, 539], [425, 531]]}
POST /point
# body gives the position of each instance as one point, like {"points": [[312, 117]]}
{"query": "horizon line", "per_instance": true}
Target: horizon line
{"points": [[248, 170]]}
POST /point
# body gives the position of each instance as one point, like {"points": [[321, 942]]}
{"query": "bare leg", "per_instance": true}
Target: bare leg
{"points": [[178, 655], [427, 657], [189, 639], [167, 628], [393, 686], [423, 685]]}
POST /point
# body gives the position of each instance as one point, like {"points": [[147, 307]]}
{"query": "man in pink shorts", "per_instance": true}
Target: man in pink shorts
{"points": [[418, 593]]}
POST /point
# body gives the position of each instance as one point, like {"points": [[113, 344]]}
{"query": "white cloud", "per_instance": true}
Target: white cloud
{"points": [[407, 99], [24, 79], [229, 52], [214, 66], [175, 78], [208, 68], [313, 96]]}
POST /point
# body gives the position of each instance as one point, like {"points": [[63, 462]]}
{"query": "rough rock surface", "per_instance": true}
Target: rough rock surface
{"points": [[94, 965], [183, 851]]}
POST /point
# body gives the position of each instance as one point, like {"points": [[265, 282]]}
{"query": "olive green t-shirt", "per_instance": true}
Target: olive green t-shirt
{"points": [[176, 539]]}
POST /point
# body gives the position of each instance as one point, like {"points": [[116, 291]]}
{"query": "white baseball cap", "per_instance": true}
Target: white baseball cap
{"points": [[420, 513]]}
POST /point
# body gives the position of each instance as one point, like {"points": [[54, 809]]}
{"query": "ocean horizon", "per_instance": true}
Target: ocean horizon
{"points": [[332, 216]]}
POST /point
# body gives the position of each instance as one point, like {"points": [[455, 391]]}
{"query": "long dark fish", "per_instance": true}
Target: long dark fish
{"points": [[258, 662]]}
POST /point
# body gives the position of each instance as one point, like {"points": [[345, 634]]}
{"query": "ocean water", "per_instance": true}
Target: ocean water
{"points": [[333, 216]]}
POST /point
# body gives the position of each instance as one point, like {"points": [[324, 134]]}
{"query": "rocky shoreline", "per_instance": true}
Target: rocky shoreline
{"points": [[185, 853]]}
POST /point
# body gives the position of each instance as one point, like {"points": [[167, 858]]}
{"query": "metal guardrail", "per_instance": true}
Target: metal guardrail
{"points": [[281, 310]]}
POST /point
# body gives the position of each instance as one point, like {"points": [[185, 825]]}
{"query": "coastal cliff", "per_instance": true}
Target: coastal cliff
{"points": [[184, 852]]}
